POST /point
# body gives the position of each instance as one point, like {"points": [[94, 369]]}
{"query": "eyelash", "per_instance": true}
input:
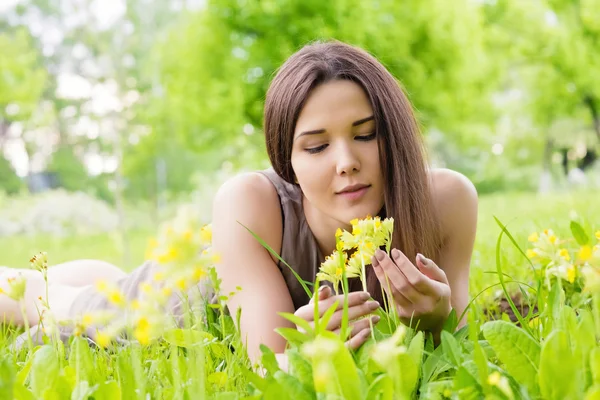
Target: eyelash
{"points": [[319, 149]]}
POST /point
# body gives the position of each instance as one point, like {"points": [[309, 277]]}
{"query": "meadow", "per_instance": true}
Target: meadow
{"points": [[549, 351]]}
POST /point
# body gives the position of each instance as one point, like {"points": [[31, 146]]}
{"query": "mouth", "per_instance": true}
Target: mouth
{"points": [[354, 192], [353, 188]]}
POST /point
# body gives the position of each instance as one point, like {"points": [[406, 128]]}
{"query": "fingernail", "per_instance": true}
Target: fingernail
{"points": [[322, 288], [373, 305], [376, 319], [422, 258], [395, 253], [374, 262], [380, 254], [365, 296]]}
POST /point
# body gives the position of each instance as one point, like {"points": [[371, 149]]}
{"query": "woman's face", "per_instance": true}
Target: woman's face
{"points": [[335, 155]]}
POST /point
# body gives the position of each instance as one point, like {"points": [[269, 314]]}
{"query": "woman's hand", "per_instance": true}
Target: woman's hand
{"points": [[421, 292], [358, 306]]}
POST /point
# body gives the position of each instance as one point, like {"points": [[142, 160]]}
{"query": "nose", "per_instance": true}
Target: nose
{"points": [[347, 162]]}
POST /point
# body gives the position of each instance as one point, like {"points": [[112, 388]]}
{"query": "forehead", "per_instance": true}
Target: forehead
{"points": [[333, 104]]}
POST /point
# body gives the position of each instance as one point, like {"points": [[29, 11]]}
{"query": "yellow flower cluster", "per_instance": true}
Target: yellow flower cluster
{"points": [[558, 260], [355, 250], [182, 258]]}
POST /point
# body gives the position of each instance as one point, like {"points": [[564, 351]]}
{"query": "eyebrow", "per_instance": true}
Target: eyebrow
{"points": [[319, 131]]}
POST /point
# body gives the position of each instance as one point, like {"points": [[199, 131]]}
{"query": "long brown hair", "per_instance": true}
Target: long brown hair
{"points": [[407, 191]]}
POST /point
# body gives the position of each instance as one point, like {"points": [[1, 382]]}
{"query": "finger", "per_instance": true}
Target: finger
{"points": [[356, 341], [361, 324], [390, 289], [353, 313], [323, 293], [416, 278], [354, 299], [430, 269], [394, 278]]}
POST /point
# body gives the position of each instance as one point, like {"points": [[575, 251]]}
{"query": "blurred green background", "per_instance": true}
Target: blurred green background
{"points": [[114, 112]]}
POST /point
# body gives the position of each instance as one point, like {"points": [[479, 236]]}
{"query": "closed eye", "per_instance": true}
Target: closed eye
{"points": [[318, 149], [365, 138]]}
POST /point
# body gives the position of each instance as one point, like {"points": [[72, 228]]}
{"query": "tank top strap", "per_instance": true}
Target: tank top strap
{"points": [[299, 248]]}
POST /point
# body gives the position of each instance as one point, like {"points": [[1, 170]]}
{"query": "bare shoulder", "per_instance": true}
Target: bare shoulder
{"points": [[454, 197], [249, 199]]}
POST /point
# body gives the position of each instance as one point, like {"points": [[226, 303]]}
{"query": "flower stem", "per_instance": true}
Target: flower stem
{"points": [[26, 324]]}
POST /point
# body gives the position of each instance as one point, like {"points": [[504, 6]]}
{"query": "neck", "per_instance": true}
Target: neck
{"points": [[322, 227]]}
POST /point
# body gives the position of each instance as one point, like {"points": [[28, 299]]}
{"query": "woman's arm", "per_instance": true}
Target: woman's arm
{"points": [[457, 204], [252, 200]]}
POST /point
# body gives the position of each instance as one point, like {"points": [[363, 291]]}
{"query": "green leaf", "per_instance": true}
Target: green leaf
{"points": [[579, 234], [300, 367], [293, 336], [382, 388], [519, 352], [44, 370], [268, 360], [294, 388], [408, 375], [309, 293], [81, 360], [126, 375], [7, 379], [187, 337], [559, 370], [415, 349], [22, 393], [451, 322], [300, 322], [324, 320], [451, 348], [595, 365], [108, 390]]}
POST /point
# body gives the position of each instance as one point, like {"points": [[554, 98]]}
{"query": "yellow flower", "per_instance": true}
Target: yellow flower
{"points": [[166, 291], [533, 237], [206, 234], [16, 288], [552, 239], [169, 256], [494, 378], [564, 253], [152, 245], [103, 339], [142, 336], [354, 222], [597, 234], [199, 273], [585, 253], [571, 273], [116, 298], [159, 276], [135, 305], [146, 287], [101, 286], [338, 272], [181, 283], [187, 235], [531, 253], [338, 233], [87, 319]]}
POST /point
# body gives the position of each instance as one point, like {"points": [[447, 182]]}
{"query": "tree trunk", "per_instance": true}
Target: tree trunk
{"points": [[546, 177], [590, 101]]}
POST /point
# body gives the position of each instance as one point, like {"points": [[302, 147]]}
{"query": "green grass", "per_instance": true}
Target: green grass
{"points": [[16, 251], [553, 357]]}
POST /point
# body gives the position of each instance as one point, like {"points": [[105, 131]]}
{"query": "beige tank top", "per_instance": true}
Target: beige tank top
{"points": [[299, 247]]}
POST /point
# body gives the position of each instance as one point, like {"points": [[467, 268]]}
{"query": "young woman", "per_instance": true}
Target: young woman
{"points": [[344, 143]]}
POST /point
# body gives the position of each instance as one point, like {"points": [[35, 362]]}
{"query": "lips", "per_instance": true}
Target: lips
{"points": [[353, 188]]}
